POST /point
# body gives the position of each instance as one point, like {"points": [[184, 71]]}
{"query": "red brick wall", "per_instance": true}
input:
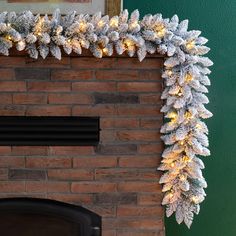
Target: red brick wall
{"points": [[117, 179]]}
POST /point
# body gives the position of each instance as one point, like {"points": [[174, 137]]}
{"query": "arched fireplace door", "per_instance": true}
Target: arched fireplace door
{"points": [[38, 217]]}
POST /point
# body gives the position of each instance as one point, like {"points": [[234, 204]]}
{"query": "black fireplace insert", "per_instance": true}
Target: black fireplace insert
{"points": [[49, 130], [39, 217]]}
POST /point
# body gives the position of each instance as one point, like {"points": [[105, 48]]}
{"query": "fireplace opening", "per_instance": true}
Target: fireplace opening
{"points": [[49, 130], [39, 217]]}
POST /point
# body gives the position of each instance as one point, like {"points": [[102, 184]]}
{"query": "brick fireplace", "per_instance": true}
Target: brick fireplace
{"points": [[116, 179]]}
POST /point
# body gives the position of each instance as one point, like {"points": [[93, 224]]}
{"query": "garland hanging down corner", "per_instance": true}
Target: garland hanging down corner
{"points": [[185, 75]]}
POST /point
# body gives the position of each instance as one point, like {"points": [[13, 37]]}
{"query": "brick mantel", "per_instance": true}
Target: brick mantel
{"points": [[118, 178]]}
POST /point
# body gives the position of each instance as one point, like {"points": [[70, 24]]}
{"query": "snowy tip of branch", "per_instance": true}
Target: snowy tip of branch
{"points": [[175, 18]]}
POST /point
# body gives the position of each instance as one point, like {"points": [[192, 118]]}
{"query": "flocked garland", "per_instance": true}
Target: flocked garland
{"points": [[185, 76]]}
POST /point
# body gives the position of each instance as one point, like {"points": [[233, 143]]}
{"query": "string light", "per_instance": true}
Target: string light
{"points": [[9, 37], [179, 92], [182, 177], [188, 115], [188, 77], [134, 24], [172, 115], [101, 23], [198, 126], [39, 26], [169, 72], [160, 30], [105, 51], [114, 22], [190, 44], [82, 42], [82, 27], [171, 194], [173, 121], [128, 43], [194, 199], [181, 142], [186, 159], [172, 164], [131, 48]]}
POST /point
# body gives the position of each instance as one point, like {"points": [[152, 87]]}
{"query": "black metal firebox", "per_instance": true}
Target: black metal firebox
{"points": [[59, 131], [37, 217]]}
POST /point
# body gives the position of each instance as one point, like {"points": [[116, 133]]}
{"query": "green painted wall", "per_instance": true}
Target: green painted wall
{"points": [[217, 21]]}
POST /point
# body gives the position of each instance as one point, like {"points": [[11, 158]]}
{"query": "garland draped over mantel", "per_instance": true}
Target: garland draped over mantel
{"points": [[185, 75]]}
